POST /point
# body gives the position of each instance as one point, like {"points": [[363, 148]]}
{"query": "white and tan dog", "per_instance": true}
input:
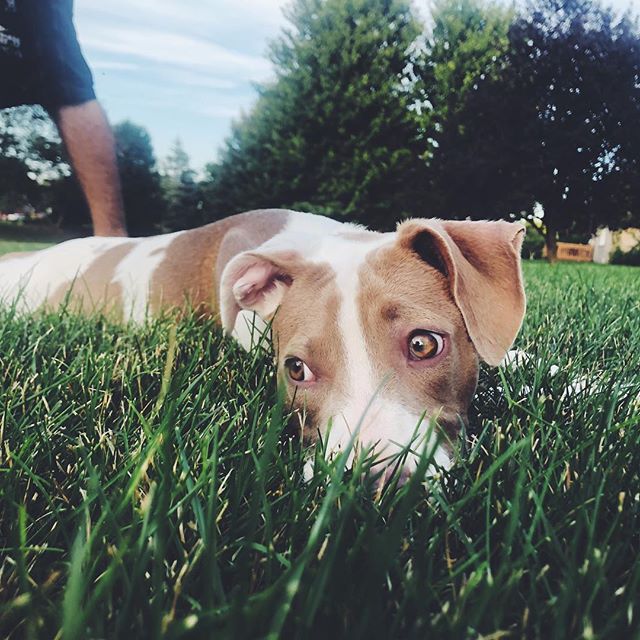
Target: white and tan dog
{"points": [[373, 331]]}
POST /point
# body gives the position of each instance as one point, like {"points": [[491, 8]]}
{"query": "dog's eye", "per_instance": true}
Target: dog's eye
{"points": [[424, 345], [298, 370]]}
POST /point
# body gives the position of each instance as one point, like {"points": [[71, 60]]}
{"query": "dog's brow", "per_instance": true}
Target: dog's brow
{"points": [[396, 310], [303, 344], [391, 311]]}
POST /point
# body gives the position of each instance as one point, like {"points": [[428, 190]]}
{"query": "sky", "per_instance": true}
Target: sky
{"points": [[184, 68]]}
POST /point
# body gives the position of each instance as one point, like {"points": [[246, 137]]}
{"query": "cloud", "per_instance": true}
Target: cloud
{"points": [[194, 12], [200, 80], [113, 65], [179, 67], [172, 48], [216, 111]]}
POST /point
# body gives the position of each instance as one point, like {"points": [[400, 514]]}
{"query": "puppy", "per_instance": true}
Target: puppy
{"points": [[378, 335]]}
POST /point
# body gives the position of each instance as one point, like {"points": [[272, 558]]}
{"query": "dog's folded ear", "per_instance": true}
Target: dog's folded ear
{"points": [[255, 282], [482, 262]]}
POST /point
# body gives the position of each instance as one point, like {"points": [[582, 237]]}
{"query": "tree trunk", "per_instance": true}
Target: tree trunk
{"points": [[552, 245]]}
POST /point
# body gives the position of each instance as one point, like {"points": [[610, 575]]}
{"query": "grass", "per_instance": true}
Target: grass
{"points": [[21, 237], [149, 489]]}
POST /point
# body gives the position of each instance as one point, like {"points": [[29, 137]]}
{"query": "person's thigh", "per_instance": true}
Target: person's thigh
{"points": [[51, 69]]}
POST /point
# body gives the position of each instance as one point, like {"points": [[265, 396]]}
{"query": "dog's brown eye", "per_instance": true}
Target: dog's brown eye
{"points": [[298, 370], [424, 345]]}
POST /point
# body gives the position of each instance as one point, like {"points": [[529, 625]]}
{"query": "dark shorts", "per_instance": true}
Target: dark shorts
{"points": [[40, 58]]}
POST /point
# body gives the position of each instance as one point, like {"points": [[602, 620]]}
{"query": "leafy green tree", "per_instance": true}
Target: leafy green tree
{"points": [[69, 209], [141, 189], [580, 67], [557, 125], [334, 132], [15, 184], [466, 45], [181, 190], [31, 157]]}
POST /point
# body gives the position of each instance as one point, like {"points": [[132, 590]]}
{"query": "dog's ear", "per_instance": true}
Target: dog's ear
{"points": [[255, 282], [482, 262]]}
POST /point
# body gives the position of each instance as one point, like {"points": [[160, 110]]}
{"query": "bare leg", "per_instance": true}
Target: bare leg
{"points": [[91, 146]]}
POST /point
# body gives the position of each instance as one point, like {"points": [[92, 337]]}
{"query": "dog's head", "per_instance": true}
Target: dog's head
{"points": [[382, 333]]}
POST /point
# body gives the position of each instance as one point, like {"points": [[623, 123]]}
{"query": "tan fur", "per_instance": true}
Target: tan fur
{"points": [[191, 269], [458, 279], [482, 261], [401, 293], [96, 289], [313, 336]]}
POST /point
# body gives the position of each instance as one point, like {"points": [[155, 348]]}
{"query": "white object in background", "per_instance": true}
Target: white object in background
{"points": [[603, 244]]}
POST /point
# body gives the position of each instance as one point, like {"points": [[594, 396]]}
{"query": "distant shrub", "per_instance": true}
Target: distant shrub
{"points": [[630, 258], [532, 245]]}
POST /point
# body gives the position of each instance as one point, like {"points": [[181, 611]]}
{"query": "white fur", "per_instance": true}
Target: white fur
{"points": [[250, 329], [300, 223], [307, 233], [379, 422], [386, 425], [303, 232], [135, 270], [29, 280]]}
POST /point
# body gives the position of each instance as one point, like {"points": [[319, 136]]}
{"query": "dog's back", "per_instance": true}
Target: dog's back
{"points": [[132, 276]]}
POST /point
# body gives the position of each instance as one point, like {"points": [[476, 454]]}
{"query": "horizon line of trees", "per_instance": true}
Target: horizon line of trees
{"points": [[490, 111]]}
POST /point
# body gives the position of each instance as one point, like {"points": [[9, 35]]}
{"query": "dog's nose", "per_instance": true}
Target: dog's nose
{"points": [[390, 472]]}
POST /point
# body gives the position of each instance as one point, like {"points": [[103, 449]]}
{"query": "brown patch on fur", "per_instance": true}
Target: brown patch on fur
{"points": [[390, 312], [399, 294], [482, 260], [306, 326], [192, 266], [95, 289]]}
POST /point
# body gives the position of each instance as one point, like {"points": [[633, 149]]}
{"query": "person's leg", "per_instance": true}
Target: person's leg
{"points": [[91, 146]]}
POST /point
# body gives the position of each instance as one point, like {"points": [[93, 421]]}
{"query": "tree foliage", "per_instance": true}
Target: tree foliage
{"points": [[484, 111], [334, 131], [556, 123], [181, 190], [466, 46], [580, 143], [31, 157], [141, 188]]}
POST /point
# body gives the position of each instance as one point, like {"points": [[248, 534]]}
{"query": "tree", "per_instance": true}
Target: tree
{"points": [[31, 158], [69, 208], [181, 191], [580, 68], [15, 184], [466, 45], [334, 132], [141, 189], [557, 125]]}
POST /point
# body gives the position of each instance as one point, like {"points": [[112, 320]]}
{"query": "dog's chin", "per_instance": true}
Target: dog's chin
{"points": [[390, 442]]}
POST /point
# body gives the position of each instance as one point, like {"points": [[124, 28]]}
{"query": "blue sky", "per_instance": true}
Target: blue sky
{"points": [[181, 68], [184, 68]]}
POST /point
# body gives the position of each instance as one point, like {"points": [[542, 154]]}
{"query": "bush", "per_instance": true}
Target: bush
{"points": [[532, 245], [629, 258]]}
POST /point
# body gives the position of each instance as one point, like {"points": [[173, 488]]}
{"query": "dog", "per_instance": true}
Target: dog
{"points": [[378, 336]]}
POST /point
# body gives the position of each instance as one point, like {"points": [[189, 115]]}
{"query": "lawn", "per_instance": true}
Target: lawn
{"points": [[15, 237], [150, 489]]}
